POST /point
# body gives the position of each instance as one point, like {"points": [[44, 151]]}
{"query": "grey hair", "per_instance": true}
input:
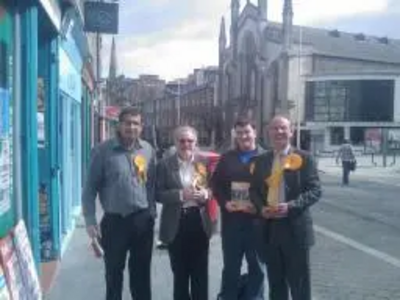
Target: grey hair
{"points": [[184, 129]]}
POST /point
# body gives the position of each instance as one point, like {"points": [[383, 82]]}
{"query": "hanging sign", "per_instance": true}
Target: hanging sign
{"points": [[101, 17]]}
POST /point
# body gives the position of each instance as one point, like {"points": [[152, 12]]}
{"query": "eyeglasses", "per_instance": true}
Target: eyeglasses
{"points": [[186, 141]]}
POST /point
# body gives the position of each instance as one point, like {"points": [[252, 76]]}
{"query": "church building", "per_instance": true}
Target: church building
{"points": [[334, 85]]}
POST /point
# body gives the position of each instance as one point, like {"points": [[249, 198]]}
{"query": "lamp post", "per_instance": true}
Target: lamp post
{"points": [[299, 89]]}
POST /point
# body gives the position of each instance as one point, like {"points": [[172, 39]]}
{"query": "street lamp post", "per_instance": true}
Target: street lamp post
{"points": [[178, 112], [299, 89]]}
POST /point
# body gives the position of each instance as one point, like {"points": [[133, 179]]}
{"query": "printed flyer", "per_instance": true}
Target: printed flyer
{"points": [[10, 264], [4, 293], [26, 262]]}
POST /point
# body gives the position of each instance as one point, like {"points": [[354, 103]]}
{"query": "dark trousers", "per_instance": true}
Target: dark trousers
{"points": [[189, 258], [288, 269], [346, 172], [240, 239], [132, 234]]}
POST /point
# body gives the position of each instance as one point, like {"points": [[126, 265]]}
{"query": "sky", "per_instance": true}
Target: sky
{"points": [[170, 38]]}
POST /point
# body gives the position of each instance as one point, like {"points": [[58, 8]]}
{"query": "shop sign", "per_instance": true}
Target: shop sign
{"points": [[112, 112], [101, 17], [53, 11]]}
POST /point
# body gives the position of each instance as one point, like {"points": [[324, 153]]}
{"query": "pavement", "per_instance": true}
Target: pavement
{"points": [[356, 257], [367, 168]]}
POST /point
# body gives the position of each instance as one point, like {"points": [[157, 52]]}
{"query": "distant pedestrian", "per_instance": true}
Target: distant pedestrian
{"points": [[348, 160], [122, 173]]}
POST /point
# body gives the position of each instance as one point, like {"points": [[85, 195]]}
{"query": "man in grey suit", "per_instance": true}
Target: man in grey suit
{"points": [[182, 188], [285, 185]]}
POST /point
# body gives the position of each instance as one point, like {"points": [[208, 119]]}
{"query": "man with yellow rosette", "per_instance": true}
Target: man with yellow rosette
{"points": [[285, 184], [239, 232], [185, 226], [122, 174]]}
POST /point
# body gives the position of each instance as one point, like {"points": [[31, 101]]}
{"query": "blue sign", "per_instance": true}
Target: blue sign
{"points": [[4, 113]]}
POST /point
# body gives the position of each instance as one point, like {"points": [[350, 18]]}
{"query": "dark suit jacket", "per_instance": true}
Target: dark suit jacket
{"points": [[302, 189], [168, 187]]}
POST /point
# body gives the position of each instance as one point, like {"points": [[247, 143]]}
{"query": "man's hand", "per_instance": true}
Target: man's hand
{"points": [[232, 206], [93, 231], [188, 194], [201, 195], [278, 212], [248, 207]]}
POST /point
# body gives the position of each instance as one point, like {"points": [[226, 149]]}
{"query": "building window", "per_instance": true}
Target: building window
{"points": [[350, 100], [337, 135], [329, 102]]}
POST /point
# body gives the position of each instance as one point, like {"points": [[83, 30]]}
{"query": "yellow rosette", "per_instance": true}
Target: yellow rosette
{"points": [[200, 180], [140, 163], [252, 168], [293, 162]]}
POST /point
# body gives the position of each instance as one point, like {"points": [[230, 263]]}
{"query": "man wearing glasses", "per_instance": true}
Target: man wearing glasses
{"points": [[121, 173]]}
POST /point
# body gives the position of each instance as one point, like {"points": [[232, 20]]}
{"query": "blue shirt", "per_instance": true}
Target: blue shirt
{"points": [[246, 156]]}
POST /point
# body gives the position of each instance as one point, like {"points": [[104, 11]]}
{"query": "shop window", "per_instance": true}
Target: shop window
{"points": [[357, 135]]}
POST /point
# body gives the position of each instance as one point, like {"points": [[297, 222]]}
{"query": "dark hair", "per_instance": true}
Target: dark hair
{"points": [[129, 111], [243, 122]]}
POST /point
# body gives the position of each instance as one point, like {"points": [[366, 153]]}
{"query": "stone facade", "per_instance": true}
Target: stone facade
{"points": [[266, 66]]}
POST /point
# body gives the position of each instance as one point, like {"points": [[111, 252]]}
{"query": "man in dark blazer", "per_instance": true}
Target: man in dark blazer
{"points": [[168, 190], [285, 184], [186, 226]]}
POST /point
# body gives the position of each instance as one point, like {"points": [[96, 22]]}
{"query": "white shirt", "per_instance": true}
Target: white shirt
{"points": [[187, 174]]}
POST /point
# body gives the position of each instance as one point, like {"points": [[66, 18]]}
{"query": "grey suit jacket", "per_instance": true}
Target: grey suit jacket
{"points": [[168, 186], [302, 190]]}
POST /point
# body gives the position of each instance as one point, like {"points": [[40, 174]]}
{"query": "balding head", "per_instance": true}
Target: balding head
{"points": [[280, 132], [280, 118]]}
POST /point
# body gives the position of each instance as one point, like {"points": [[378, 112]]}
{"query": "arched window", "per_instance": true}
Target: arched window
{"points": [[248, 72]]}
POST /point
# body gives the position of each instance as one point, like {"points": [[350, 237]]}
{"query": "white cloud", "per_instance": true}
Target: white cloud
{"points": [[192, 42]]}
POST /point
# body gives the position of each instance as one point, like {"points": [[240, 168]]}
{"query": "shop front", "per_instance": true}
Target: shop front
{"points": [[6, 119], [70, 143]]}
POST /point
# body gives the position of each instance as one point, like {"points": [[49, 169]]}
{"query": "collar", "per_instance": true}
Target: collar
{"points": [[285, 151], [257, 150], [139, 144], [183, 162]]}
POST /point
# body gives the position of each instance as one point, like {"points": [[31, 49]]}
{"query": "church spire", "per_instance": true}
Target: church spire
{"points": [[287, 15], [113, 61], [235, 11], [263, 9], [222, 34]]}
